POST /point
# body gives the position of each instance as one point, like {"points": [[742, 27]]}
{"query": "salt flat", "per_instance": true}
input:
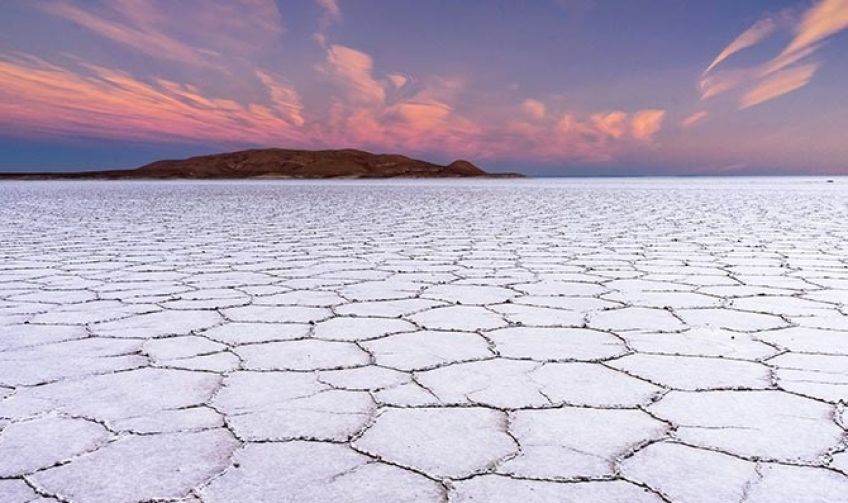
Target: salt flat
{"points": [[516, 340]]}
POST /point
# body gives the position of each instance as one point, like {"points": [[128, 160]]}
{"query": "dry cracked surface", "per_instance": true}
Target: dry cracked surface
{"points": [[641, 341]]}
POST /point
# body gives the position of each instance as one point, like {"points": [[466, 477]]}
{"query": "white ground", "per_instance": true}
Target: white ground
{"points": [[620, 340]]}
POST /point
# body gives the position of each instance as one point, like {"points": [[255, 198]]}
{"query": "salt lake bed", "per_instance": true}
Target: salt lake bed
{"points": [[620, 340]]}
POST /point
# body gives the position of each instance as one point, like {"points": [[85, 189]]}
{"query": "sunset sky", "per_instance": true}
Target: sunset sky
{"points": [[547, 87]]}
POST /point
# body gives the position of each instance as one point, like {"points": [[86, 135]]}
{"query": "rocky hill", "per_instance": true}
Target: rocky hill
{"points": [[283, 163]]}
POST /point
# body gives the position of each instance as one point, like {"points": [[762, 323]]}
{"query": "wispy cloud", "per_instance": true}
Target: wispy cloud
{"points": [[693, 119], [331, 11], [750, 37], [148, 41], [778, 84], [283, 97], [100, 102], [194, 32], [790, 70], [824, 19]]}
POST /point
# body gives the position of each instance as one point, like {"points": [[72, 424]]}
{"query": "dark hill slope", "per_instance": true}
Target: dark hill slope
{"points": [[283, 163]]}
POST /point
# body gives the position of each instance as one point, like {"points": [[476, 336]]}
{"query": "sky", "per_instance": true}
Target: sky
{"points": [[547, 88]]}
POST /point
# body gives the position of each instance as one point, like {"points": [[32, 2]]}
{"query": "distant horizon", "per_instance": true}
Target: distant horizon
{"points": [[572, 172], [556, 88], [494, 168]]}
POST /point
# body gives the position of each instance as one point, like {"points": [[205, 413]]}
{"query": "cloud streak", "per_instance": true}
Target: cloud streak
{"points": [[93, 101], [790, 70], [192, 32], [750, 37], [150, 42], [693, 119], [778, 84], [824, 19]]}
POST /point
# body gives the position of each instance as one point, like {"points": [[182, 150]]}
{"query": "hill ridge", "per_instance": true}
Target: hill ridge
{"points": [[287, 163]]}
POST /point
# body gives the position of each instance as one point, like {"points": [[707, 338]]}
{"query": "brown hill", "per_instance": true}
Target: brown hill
{"points": [[283, 163]]}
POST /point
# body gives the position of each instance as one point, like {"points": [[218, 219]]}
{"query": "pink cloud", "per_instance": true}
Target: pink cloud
{"points": [[398, 80], [100, 102], [426, 114], [693, 119], [285, 99], [369, 112], [430, 117], [601, 137], [385, 111], [352, 71], [422, 116], [534, 108]]}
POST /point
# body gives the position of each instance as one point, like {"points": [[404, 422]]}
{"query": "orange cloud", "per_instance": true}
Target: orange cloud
{"points": [[824, 19], [613, 124], [646, 123], [778, 84]]}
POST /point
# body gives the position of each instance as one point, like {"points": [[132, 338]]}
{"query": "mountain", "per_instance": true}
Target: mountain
{"points": [[283, 163]]}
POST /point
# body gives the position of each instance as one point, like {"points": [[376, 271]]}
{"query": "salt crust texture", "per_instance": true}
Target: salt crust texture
{"points": [[486, 341]]}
